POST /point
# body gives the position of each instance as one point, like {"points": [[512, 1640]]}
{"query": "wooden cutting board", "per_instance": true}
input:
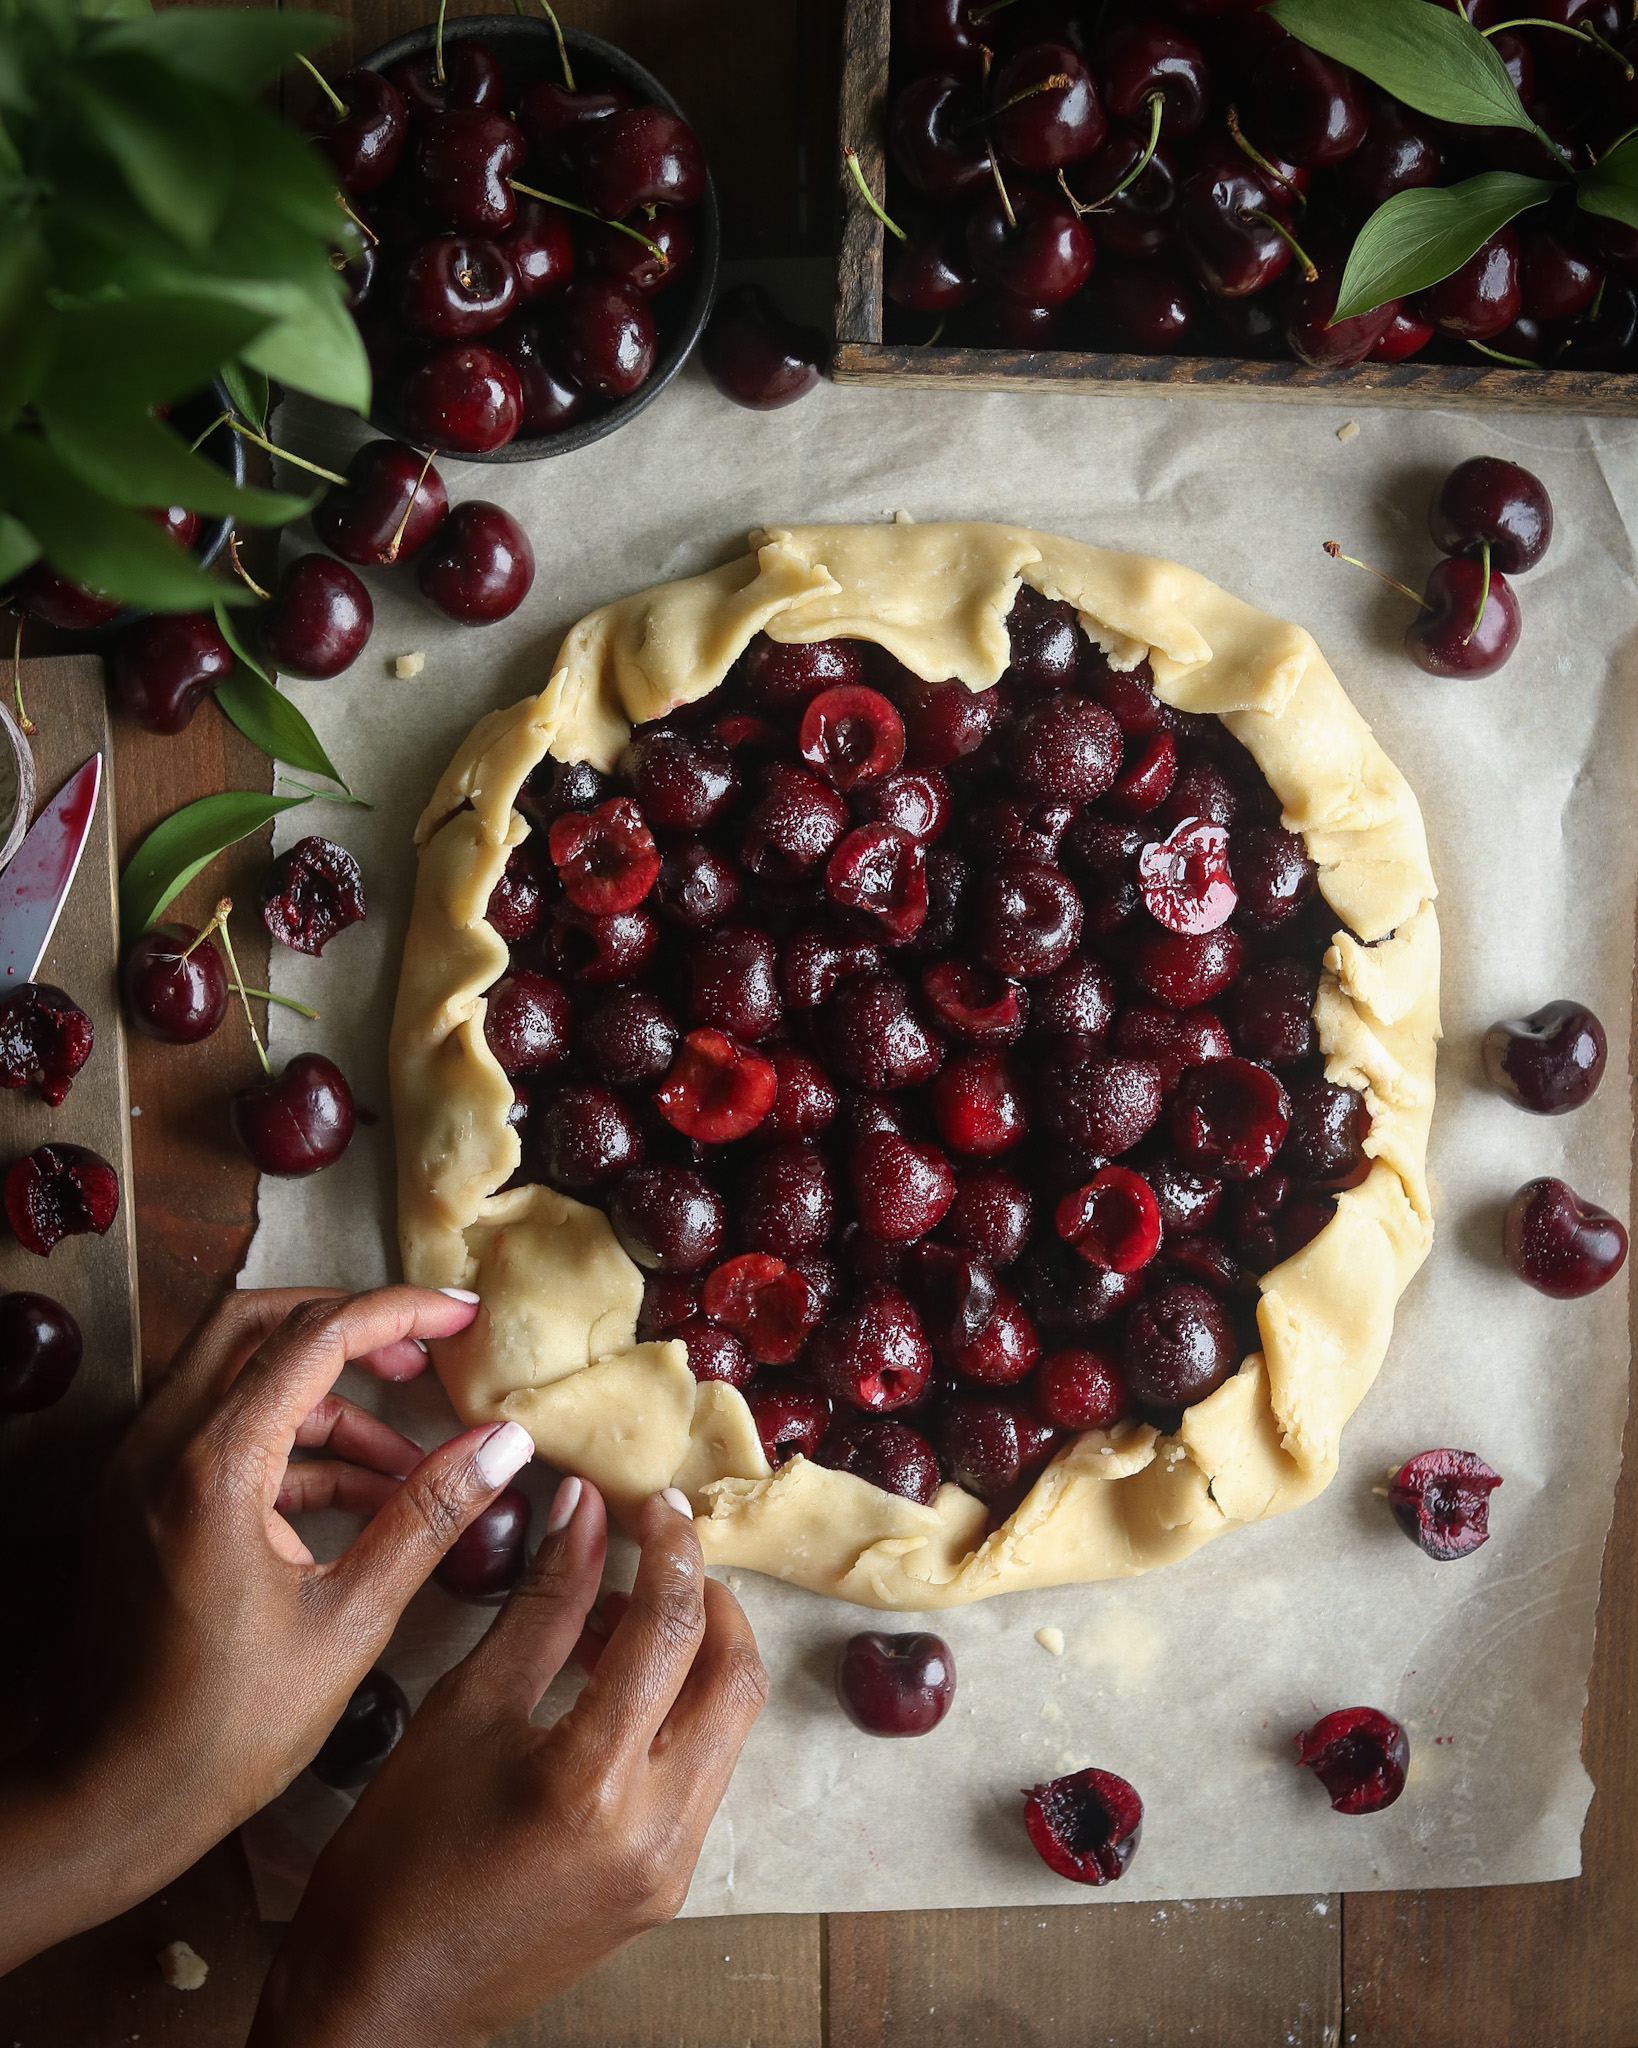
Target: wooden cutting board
{"points": [[49, 1459]]}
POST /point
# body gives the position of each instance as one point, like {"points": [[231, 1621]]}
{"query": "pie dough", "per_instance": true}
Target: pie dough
{"points": [[554, 1343]]}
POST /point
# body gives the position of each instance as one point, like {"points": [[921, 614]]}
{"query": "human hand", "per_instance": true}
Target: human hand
{"points": [[491, 1863], [211, 1654]]}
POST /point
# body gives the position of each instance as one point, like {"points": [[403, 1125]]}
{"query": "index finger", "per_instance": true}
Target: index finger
{"points": [[646, 1660]]}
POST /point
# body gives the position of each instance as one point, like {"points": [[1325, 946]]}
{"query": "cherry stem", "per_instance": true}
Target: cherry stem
{"points": [[250, 434], [1334, 550], [1310, 274], [569, 206], [362, 226], [1586, 33], [937, 331], [978, 14], [438, 74], [219, 917], [1484, 597], [24, 721], [343, 795], [1006, 196], [1157, 108], [1496, 356], [397, 540], [1056, 82], [237, 981], [1268, 170], [325, 86], [557, 30], [242, 572], [851, 158], [266, 995]]}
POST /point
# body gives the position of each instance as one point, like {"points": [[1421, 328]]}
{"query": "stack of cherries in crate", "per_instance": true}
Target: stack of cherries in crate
{"points": [[1185, 176], [522, 248]]}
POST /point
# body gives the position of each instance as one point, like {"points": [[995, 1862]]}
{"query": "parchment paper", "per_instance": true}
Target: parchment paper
{"points": [[1190, 1681]]}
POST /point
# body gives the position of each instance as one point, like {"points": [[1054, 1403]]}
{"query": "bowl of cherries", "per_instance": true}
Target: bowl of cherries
{"points": [[541, 234]]}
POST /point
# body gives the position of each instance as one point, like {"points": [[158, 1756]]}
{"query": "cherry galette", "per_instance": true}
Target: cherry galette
{"points": [[926, 1062]]}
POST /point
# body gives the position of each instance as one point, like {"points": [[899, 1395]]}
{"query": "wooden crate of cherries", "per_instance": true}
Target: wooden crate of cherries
{"points": [[1429, 201]]}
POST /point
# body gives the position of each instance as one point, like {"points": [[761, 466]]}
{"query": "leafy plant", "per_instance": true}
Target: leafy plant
{"points": [[184, 843], [1436, 61], [158, 227]]}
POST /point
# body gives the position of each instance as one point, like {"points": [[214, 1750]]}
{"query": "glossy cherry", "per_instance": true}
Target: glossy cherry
{"points": [[465, 398], [296, 1122], [486, 1560], [310, 893], [1047, 113], [59, 601], [757, 356], [551, 399], [1178, 1346], [1226, 229], [59, 1191], [1113, 1221], [895, 1684], [1308, 108], [884, 1453], [1086, 1826], [643, 156], [464, 161], [40, 1352], [539, 249], [1489, 503], [606, 336], [1453, 637], [936, 135], [1141, 58], [1314, 334], [1400, 153], [1549, 1062], [480, 565], [455, 286], [1042, 255], [1441, 1500], [1483, 296], [557, 117], [1360, 1755], [164, 667], [363, 145], [320, 619], [471, 77], [371, 1725], [1558, 1243], [45, 1037], [391, 505], [175, 988]]}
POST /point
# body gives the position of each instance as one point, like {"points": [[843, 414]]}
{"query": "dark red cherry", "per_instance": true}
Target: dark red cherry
{"points": [[44, 1037], [1028, 919], [787, 1204], [606, 859], [697, 886], [851, 735], [642, 156], [717, 1090], [816, 960], [1150, 306], [791, 1416], [975, 1003], [606, 336], [1605, 336], [1560, 1244], [875, 1355], [59, 601], [296, 1122], [1086, 1826], [1359, 1755], [556, 119], [370, 1726], [1329, 1124], [1142, 219], [1114, 1221], [319, 621], [551, 401], [1454, 637], [602, 949], [471, 77], [1044, 640], [1486, 502], [1185, 969], [1404, 336], [895, 1685], [1225, 228], [714, 1353], [945, 721], [1042, 255], [480, 565], [939, 35], [517, 901], [526, 1026], [872, 1035], [363, 145], [458, 285], [1104, 1106], [793, 825], [881, 872], [931, 271], [916, 801], [669, 1219], [540, 249], [1178, 1345], [755, 354], [990, 1215], [1483, 296], [733, 981], [1045, 109], [464, 162], [979, 1104], [40, 1352], [164, 667], [900, 1188], [465, 398], [1399, 154], [683, 783], [1080, 1387], [1315, 335], [1558, 281], [1441, 1500], [1145, 57], [391, 505], [648, 265], [486, 1560], [1307, 107], [936, 135], [310, 893], [1229, 1116], [1271, 1010], [1548, 1062], [167, 996], [987, 1446], [884, 1453], [781, 677], [59, 1191], [1272, 874]]}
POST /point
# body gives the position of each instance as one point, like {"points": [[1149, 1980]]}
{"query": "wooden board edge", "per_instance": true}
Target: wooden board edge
{"points": [[862, 126]]}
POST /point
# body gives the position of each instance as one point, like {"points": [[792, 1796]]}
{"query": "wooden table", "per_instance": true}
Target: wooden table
{"points": [[1541, 1966]]}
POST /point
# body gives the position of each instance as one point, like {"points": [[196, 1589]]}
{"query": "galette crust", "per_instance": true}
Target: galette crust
{"points": [[554, 1345]]}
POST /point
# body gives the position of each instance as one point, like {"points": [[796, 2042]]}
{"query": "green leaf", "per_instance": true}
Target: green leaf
{"points": [[271, 722], [1610, 187], [149, 350], [18, 547], [134, 459], [184, 843], [248, 390], [316, 348], [237, 50], [1420, 236], [225, 627], [94, 542], [165, 136], [1428, 56]]}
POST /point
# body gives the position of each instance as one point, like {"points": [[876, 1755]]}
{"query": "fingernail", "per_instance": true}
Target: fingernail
{"points": [[676, 1499], [564, 1502], [421, 1347], [503, 1451], [459, 1294]]}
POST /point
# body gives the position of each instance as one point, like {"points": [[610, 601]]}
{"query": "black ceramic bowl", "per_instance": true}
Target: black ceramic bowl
{"points": [[527, 50]]}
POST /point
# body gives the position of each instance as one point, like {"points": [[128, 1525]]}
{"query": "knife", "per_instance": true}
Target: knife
{"points": [[35, 886]]}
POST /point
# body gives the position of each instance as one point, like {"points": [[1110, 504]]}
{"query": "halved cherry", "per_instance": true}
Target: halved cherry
{"points": [[917, 802], [976, 1003], [1085, 1827], [1230, 1115], [768, 1305], [602, 949], [1185, 878], [1147, 781], [1113, 1222], [882, 871], [851, 734], [716, 1091], [606, 859]]}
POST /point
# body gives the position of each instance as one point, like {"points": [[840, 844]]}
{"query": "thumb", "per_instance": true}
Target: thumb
{"points": [[397, 1548]]}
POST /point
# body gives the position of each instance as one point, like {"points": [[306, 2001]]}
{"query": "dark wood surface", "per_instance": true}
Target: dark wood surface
{"points": [[1543, 1966]]}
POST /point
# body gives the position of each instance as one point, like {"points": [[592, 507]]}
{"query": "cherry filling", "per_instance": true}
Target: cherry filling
{"points": [[944, 1057]]}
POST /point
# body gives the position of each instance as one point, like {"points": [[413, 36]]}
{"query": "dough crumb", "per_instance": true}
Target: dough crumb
{"points": [[136, 1109], [1051, 1639], [903, 518], [1348, 431], [181, 1968], [407, 665], [1051, 1711]]}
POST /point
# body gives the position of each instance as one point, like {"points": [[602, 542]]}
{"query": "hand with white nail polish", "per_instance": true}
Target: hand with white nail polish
{"points": [[491, 1862], [212, 1654]]}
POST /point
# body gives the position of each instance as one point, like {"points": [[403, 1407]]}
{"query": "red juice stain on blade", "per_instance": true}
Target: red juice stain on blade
{"points": [[33, 886]]}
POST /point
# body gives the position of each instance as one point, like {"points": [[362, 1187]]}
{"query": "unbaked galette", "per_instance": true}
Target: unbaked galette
{"points": [[923, 1037]]}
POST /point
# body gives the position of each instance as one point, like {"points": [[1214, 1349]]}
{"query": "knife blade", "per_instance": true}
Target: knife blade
{"points": [[35, 886]]}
